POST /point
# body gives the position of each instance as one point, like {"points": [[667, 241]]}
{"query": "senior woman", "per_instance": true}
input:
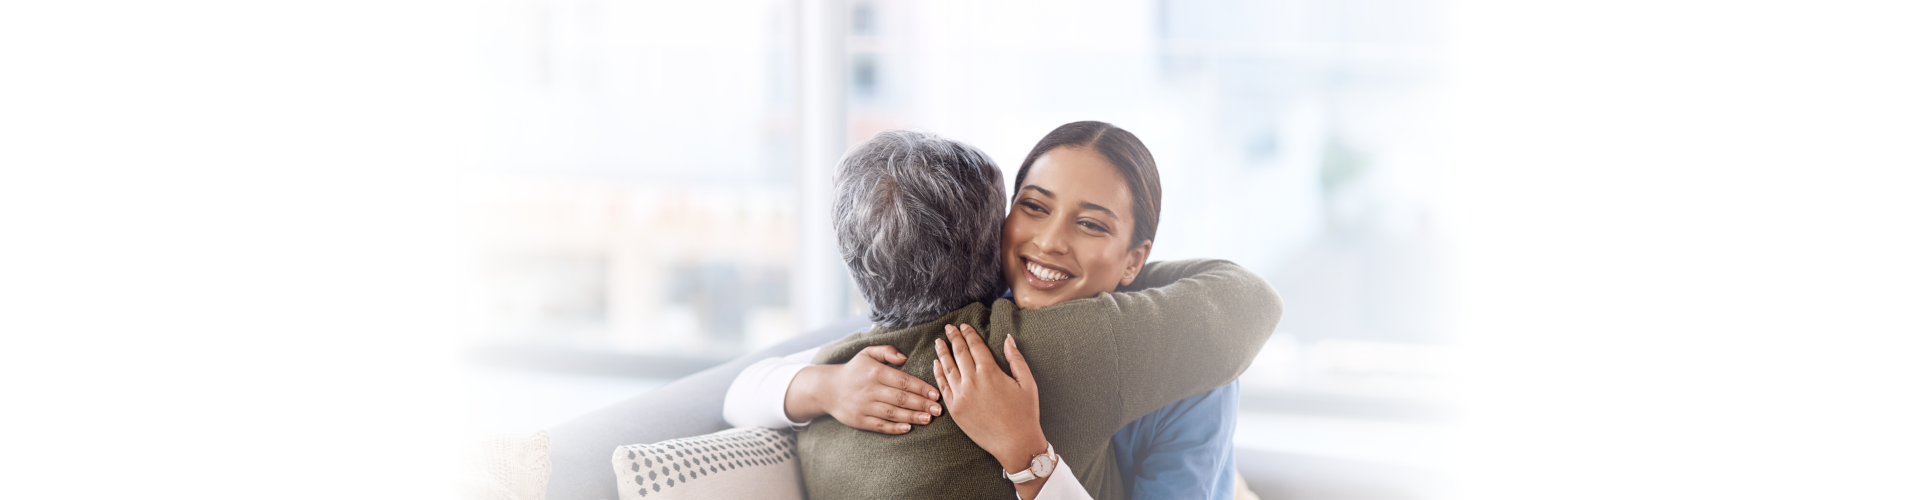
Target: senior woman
{"points": [[918, 221]]}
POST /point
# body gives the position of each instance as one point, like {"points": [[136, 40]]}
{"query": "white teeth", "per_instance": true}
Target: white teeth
{"points": [[1045, 274]]}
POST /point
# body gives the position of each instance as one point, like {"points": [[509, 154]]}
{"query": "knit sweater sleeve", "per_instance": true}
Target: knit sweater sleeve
{"points": [[1185, 327]]}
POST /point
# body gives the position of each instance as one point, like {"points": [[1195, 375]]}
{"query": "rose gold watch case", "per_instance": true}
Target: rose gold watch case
{"points": [[1039, 467], [1042, 465]]}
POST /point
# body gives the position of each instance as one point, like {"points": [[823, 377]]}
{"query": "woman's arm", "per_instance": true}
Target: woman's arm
{"points": [[1196, 325], [864, 393], [1182, 450], [998, 412], [1182, 328], [757, 397]]}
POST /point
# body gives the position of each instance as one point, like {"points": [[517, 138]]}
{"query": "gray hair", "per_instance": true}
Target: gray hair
{"points": [[918, 220]]}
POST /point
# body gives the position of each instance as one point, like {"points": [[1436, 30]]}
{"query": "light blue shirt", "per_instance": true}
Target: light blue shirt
{"points": [[1182, 450]]}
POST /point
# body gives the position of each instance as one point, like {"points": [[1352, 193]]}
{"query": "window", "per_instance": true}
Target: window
{"points": [[645, 200]]}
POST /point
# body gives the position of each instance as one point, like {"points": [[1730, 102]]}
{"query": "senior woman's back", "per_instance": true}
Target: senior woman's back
{"points": [[1099, 363], [918, 221]]}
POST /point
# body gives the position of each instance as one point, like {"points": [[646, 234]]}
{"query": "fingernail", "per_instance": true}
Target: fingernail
{"points": [[934, 408], [934, 395], [924, 417]]}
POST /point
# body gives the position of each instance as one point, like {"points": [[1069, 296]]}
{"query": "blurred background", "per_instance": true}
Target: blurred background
{"points": [[1552, 248], [652, 170]]}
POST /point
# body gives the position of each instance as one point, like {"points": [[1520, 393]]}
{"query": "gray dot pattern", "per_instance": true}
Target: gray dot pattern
{"points": [[653, 468]]}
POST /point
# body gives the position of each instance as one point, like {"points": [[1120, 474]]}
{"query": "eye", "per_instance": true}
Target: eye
{"points": [[1031, 205], [1094, 226]]}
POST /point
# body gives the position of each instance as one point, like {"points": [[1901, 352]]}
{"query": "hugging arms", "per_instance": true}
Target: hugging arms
{"points": [[1109, 338]]}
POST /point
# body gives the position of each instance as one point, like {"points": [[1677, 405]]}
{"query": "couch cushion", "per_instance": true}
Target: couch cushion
{"points": [[743, 462]]}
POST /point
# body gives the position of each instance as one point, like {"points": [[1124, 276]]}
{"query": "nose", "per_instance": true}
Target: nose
{"points": [[1052, 238]]}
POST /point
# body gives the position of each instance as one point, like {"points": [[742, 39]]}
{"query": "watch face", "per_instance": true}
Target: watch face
{"points": [[1042, 465]]}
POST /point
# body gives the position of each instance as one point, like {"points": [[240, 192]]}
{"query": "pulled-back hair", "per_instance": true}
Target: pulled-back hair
{"points": [[1125, 152], [918, 221]]}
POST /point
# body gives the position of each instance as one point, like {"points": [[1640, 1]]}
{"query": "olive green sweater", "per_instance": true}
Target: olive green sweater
{"points": [[1185, 327]]}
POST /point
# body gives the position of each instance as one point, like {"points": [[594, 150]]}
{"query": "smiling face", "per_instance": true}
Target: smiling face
{"points": [[1068, 234]]}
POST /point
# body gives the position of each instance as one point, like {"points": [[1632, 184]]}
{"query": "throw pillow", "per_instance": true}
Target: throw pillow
{"points": [[506, 467], [743, 462]]}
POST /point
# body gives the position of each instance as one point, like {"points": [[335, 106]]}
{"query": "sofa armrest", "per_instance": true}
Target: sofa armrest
{"points": [[686, 407]]}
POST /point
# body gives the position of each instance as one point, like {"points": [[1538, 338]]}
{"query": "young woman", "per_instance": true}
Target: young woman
{"points": [[1085, 210]]}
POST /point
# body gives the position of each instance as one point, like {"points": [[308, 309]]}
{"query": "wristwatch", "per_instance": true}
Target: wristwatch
{"points": [[1041, 466]]}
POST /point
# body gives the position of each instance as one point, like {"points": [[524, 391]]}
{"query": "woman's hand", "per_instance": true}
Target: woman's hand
{"points": [[1000, 413], [865, 393]]}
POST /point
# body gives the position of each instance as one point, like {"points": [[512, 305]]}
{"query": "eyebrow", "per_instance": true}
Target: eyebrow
{"points": [[1100, 208], [1085, 205]]}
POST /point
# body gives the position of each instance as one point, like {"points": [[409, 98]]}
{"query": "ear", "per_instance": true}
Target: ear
{"points": [[1136, 259]]}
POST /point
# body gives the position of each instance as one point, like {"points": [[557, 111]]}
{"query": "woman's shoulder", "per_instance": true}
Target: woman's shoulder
{"points": [[1161, 274]]}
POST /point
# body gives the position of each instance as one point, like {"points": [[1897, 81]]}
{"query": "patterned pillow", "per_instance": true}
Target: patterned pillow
{"points": [[743, 462], [506, 467]]}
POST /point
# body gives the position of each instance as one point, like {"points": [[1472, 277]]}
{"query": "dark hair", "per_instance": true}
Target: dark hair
{"points": [[1125, 152], [918, 222]]}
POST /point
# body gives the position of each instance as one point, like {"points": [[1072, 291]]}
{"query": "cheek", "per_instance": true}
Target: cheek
{"points": [[1111, 262], [1013, 234]]}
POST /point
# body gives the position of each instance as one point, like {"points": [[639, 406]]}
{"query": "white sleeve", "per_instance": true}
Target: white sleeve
{"points": [[758, 397], [1062, 486]]}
